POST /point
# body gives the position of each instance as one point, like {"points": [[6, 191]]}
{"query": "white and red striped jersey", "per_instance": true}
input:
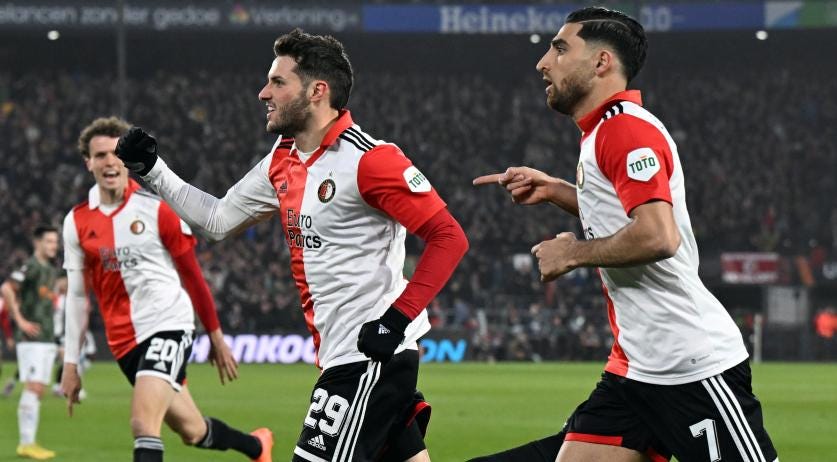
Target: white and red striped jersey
{"points": [[345, 211], [668, 328], [126, 257]]}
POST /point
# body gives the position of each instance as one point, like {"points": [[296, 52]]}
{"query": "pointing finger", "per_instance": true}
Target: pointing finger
{"points": [[487, 179]]}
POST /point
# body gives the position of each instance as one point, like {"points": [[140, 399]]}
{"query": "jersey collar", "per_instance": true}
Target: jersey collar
{"points": [[94, 197], [592, 118], [343, 122]]}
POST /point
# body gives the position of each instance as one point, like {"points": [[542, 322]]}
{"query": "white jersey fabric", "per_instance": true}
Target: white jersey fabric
{"points": [[668, 328], [126, 257], [344, 211]]}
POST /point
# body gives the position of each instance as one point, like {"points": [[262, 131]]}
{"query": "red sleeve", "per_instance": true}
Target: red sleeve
{"points": [[195, 285], [636, 157], [6, 324], [445, 245], [176, 235], [388, 181]]}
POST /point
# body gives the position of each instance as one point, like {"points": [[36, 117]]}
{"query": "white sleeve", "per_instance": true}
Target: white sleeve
{"points": [[251, 200], [73, 255], [75, 315]]}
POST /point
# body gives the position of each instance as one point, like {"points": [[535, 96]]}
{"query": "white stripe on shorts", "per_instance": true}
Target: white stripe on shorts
{"points": [[307, 455], [716, 398], [348, 438], [377, 374], [738, 413], [364, 380]]}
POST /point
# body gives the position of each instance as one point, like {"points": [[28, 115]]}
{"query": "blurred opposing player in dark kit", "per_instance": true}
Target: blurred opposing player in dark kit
{"points": [[28, 295], [677, 380], [138, 258], [346, 201]]}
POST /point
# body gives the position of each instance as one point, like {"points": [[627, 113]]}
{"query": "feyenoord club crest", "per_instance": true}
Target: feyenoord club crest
{"points": [[326, 191], [137, 227], [579, 176]]}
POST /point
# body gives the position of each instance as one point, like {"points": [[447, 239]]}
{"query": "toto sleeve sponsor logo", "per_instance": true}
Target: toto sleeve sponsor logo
{"points": [[416, 181], [642, 164]]}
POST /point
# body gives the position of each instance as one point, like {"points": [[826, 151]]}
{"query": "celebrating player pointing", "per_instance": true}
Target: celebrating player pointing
{"points": [[677, 380], [345, 200], [139, 260]]}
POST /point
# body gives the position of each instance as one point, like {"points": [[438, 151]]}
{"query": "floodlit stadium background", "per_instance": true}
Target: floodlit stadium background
{"points": [[746, 89]]}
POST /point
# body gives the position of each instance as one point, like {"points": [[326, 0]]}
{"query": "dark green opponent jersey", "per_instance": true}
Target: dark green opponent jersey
{"points": [[37, 297]]}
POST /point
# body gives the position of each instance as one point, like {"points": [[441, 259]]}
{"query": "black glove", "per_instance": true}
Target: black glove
{"points": [[138, 151], [378, 339]]}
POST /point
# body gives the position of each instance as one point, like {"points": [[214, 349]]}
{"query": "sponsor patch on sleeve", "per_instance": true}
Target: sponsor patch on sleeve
{"points": [[642, 164], [185, 229], [416, 181]]}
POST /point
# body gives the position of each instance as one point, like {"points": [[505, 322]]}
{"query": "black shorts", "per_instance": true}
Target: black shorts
{"points": [[162, 355], [715, 419], [365, 412]]}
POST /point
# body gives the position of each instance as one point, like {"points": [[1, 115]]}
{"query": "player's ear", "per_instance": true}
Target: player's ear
{"points": [[88, 162], [605, 60], [318, 90]]}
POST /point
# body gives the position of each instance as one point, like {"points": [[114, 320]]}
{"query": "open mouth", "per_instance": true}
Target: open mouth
{"points": [[111, 174]]}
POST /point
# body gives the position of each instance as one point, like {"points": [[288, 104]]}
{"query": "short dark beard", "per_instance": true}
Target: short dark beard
{"points": [[576, 87], [294, 117]]}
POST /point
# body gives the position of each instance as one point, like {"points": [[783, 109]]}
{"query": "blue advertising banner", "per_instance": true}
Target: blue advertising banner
{"points": [[525, 19], [698, 16], [462, 19]]}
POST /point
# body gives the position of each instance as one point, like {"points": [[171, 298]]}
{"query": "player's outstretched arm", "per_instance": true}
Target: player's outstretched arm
{"points": [[251, 200], [651, 236], [528, 186]]}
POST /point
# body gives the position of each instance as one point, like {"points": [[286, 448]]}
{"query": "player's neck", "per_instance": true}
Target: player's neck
{"points": [[321, 122], [111, 196], [597, 96]]}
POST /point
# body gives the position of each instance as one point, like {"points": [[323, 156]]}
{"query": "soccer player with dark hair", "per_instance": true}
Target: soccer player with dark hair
{"points": [[677, 381], [346, 201], [28, 295], [138, 258]]}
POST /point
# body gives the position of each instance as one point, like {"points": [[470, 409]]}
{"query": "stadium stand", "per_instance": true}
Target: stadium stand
{"points": [[757, 147]]}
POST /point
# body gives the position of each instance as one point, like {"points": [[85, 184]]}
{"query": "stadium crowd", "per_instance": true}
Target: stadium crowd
{"points": [[758, 152]]}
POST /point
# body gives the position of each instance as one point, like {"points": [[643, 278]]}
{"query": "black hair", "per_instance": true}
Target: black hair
{"points": [[319, 57], [617, 29], [40, 230]]}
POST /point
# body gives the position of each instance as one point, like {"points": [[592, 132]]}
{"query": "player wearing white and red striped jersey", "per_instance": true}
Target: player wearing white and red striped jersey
{"points": [[677, 380], [137, 257], [346, 201]]}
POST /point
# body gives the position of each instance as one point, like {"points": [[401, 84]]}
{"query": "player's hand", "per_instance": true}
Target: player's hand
{"points": [[10, 343], [221, 357], [526, 185], [555, 257], [138, 151], [71, 386], [30, 329], [378, 339]]}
